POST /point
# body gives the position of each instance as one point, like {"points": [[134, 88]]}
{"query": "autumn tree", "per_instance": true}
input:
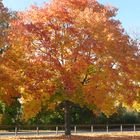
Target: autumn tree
{"points": [[8, 83], [4, 19], [74, 51]]}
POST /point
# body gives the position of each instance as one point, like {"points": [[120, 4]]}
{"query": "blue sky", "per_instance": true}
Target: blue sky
{"points": [[128, 14]]}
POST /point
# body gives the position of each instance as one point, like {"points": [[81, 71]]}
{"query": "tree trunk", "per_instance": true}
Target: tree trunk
{"points": [[67, 118]]}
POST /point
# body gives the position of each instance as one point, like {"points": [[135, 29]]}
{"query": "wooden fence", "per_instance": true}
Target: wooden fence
{"points": [[59, 129]]}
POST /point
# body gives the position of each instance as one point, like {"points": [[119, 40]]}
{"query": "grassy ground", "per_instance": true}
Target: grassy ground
{"points": [[110, 136]]}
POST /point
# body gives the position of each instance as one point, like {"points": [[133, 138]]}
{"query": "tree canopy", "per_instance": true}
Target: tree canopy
{"points": [[71, 50], [7, 81]]}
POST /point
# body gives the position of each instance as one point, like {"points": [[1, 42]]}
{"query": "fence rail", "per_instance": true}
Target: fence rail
{"points": [[59, 129]]}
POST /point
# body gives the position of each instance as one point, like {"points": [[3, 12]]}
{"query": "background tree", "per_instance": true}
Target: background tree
{"points": [[8, 83], [73, 52], [4, 19], [11, 114], [8, 111]]}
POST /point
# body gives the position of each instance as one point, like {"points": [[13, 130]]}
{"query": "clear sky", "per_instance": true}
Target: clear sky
{"points": [[128, 14]]}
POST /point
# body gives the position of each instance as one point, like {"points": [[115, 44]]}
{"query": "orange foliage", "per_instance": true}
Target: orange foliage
{"points": [[74, 50]]}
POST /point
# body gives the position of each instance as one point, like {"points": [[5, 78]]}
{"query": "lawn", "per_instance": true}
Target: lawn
{"points": [[110, 136]]}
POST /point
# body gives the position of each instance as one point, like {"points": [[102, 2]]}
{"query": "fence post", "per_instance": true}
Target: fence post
{"points": [[37, 130], [16, 131], [56, 130], [92, 128], [75, 129], [121, 128], [134, 128], [107, 128]]}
